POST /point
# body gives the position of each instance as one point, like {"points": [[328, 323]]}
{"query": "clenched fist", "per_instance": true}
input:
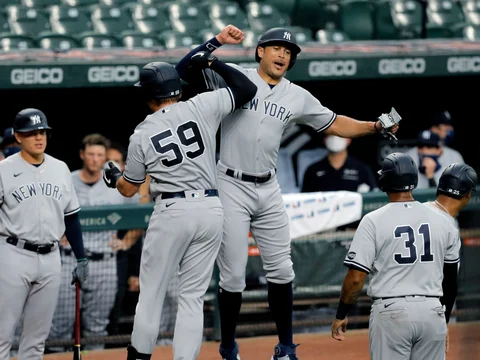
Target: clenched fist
{"points": [[230, 35]]}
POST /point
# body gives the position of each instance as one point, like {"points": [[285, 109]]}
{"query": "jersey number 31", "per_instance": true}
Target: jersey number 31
{"points": [[177, 158], [423, 231]]}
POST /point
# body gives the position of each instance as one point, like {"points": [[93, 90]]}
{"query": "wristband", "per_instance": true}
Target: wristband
{"points": [[342, 310]]}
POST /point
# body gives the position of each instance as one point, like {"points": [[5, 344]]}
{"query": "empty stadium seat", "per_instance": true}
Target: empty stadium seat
{"points": [[471, 33], [80, 3], [317, 14], [471, 12], [14, 42], [57, 42], [5, 3], [114, 2], [27, 21], [444, 13], [149, 19], [383, 23], [305, 158], [187, 18], [173, 39], [4, 23], [134, 39], [224, 13], [99, 41], [407, 17], [302, 34], [110, 19], [331, 36], [40, 3], [356, 19], [286, 7], [263, 16], [65, 19]]}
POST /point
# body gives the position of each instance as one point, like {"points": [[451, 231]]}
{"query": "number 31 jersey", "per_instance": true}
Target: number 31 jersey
{"points": [[403, 247], [176, 144]]}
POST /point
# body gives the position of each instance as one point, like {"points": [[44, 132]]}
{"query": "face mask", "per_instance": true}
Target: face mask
{"points": [[335, 143], [449, 137], [10, 151], [421, 169]]}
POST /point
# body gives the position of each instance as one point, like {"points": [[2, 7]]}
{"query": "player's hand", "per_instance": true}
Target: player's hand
{"points": [[80, 273], [336, 326], [133, 284], [230, 35], [202, 59], [429, 166], [118, 245], [111, 174]]}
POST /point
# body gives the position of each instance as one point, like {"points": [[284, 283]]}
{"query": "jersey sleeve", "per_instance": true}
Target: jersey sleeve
{"points": [[73, 206], [213, 106], [314, 113], [135, 169], [361, 254], [452, 254], [213, 81]]}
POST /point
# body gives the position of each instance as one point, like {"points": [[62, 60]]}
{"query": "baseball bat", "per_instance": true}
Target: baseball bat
{"points": [[76, 349]]}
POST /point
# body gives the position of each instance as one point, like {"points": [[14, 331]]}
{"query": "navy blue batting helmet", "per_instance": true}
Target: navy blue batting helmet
{"points": [[399, 173], [30, 120], [281, 36], [159, 80], [457, 180]]}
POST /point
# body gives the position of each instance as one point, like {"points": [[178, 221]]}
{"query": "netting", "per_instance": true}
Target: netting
{"points": [[108, 303]]}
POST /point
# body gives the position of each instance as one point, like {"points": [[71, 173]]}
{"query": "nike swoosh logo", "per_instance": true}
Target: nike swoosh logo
{"points": [[15, 175], [387, 305], [167, 205], [107, 180]]}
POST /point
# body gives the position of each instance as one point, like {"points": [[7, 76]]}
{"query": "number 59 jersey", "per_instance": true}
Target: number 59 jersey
{"points": [[403, 247], [176, 144]]}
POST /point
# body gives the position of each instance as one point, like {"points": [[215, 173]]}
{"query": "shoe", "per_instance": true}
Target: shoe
{"points": [[230, 354], [285, 352]]}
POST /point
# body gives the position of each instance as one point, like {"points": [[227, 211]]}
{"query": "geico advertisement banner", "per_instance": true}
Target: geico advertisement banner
{"points": [[310, 213]]}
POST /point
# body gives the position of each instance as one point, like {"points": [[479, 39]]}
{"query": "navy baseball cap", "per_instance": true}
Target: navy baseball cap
{"points": [[429, 139], [8, 137], [440, 118]]}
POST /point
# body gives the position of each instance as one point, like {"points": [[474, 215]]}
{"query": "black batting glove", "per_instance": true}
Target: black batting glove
{"points": [[111, 174]]}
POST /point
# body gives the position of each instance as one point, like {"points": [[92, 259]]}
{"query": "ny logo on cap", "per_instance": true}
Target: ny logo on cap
{"points": [[35, 119], [287, 35]]}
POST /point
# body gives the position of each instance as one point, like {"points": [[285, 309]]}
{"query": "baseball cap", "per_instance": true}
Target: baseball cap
{"points": [[8, 137], [428, 138], [442, 117]]}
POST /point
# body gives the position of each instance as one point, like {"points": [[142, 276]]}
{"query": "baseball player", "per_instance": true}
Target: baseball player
{"points": [[249, 191], [404, 246], [176, 147], [8, 144], [98, 295], [38, 205]]}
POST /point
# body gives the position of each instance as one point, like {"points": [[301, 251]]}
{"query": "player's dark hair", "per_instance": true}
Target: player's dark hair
{"points": [[95, 139], [120, 148]]}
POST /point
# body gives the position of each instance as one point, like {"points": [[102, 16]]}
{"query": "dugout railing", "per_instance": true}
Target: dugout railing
{"points": [[319, 271]]}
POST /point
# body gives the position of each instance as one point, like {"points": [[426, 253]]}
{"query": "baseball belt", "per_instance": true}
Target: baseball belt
{"points": [[250, 178], [181, 194], [404, 296], [39, 249]]}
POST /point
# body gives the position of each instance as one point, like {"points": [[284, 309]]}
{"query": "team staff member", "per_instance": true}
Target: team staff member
{"points": [[38, 205]]}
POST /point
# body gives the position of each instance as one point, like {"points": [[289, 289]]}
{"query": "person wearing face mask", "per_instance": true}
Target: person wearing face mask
{"points": [[429, 151], [9, 144], [338, 170], [441, 124]]}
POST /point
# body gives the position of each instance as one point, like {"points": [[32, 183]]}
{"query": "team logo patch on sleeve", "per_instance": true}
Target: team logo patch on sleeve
{"points": [[351, 255]]}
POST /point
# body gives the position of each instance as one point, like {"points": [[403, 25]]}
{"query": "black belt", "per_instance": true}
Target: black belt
{"points": [[94, 256], [181, 194], [404, 296], [39, 249], [250, 178]]}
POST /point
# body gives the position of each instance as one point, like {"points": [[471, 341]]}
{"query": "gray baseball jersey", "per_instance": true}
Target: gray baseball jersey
{"points": [[43, 195], [251, 136], [403, 247], [176, 145]]}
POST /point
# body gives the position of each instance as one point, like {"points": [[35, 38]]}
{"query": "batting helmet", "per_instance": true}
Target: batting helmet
{"points": [[8, 137], [457, 180], [399, 173], [282, 36], [30, 120], [159, 80]]}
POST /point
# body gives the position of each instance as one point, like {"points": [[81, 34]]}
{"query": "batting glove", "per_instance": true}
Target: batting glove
{"points": [[111, 174], [80, 273], [203, 59]]}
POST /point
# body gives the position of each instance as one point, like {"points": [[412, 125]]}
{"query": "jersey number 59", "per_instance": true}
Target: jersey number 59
{"points": [[162, 145], [423, 232]]}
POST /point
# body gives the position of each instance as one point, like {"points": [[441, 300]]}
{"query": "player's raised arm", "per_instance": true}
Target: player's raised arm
{"points": [[229, 35]]}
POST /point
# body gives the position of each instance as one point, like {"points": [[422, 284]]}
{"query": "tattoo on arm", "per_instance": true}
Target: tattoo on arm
{"points": [[352, 286]]}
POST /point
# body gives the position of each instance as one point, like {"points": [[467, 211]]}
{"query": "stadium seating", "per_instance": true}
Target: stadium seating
{"points": [[187, 18], [101, 41], [111, 19], [331, 36], [356, 19], [263, 16], [4, 23], [57, 42], [471, 33], [407, 17], [65, 19], [80, 3], [471, 12], [173, 39], [134, 39], [27, 21], [302, 34], [223, 13], [384, 28], [40, 4], [9, 42], [149, 18]]}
